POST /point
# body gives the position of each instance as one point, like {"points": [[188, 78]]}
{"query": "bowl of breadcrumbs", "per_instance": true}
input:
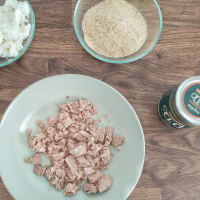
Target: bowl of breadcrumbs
{"points": [[118, 31]]}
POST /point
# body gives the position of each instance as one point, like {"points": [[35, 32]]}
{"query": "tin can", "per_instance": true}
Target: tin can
{"points": [[179, 107]]}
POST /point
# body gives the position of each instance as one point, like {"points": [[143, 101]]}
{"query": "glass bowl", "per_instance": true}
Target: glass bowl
{"points": [[151, 12], [27, 41]]}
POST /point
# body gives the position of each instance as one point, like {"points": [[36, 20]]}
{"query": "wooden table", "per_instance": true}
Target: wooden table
{"points": [[172, 164]]}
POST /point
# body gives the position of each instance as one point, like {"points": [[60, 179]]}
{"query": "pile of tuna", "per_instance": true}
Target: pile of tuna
{"points": [[77, 147]]}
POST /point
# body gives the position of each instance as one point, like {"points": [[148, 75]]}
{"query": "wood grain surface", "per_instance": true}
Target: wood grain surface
{"points": [[172, 163]]}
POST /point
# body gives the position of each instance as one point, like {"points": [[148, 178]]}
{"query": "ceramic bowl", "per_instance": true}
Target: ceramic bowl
{"points": [[39, 101]]}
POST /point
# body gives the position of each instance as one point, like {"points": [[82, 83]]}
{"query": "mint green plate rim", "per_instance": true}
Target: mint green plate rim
{"points": [[10, 61], [111, 60]]}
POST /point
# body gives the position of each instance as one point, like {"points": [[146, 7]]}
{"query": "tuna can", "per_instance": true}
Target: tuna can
{"points": [[179, 107]]}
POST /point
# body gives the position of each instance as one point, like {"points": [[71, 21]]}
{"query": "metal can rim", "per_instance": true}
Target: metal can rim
{"points": [[179, 102]]}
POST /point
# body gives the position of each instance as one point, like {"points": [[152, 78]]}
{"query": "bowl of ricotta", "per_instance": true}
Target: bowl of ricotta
{"points": [[17, 28]]}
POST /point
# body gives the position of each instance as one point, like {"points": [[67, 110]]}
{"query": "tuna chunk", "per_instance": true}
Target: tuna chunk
{"points": [[117, 140], [78, 150], [71, 189], [42, 127], [67, 122], [34, 159], [105, 156], [58, 156], [88, 170], [38, 142], [60, 173], [83, 104], [83, 162], [70, 176], [86, 135], [100, 134], [71, 144], [73, 165], [59, 183], [90, 188], [50, 172], [94, 177], [108, 136], [39, 170], [104, 183], [71, 162], [94, 148]]}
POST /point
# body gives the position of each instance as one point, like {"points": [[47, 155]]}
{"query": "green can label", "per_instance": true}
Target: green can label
{"points": [[191, 100], [166, 113]]}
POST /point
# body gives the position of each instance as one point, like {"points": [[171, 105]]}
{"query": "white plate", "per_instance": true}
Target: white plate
{"points": [[39, 101]]}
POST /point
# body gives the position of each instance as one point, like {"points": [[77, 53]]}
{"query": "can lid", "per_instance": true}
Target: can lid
{"points": [[187, 100]]}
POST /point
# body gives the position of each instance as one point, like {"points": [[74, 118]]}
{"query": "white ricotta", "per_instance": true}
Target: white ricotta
{"points": [[14, 27]]}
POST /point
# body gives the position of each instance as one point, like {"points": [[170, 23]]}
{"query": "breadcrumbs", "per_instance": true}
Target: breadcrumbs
{"points": [[114, 28]]}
